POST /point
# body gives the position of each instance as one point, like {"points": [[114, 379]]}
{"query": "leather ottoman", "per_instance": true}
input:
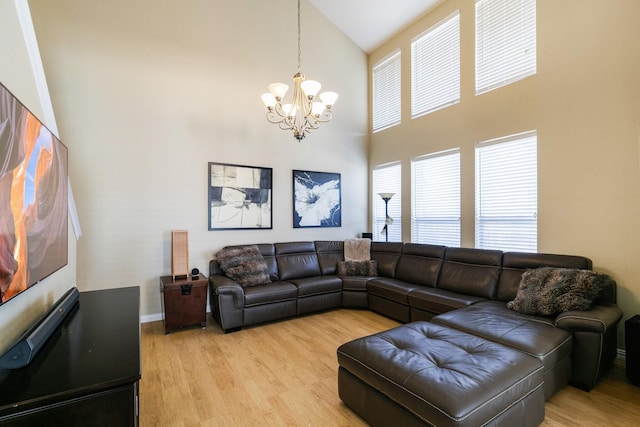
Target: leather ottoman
{"points": [[426, 374], [535, 336]]}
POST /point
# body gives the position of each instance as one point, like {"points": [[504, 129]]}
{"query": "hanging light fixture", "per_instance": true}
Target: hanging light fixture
{"points": [[304, 113]]}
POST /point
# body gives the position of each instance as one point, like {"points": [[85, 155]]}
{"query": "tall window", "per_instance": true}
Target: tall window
{"points": [[387, 179], [435, 73], [386, 92], [435, 187], [505, 42], [507, 193]]}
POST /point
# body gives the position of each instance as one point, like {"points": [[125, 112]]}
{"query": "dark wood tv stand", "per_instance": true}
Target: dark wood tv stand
{"points": [[87, 373]]}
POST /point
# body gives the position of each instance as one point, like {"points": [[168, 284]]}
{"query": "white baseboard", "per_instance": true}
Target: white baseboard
{"points": [[151, 318]]}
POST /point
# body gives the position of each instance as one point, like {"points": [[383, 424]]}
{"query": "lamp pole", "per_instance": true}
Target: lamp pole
{"points": [[387, 219]]}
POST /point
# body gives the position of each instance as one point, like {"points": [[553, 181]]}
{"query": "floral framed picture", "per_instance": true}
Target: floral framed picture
{"points": [[240, 197], [317, 200]]}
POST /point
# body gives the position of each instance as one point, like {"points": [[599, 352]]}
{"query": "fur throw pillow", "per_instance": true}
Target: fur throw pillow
{"points": [[358, 268], [244, 264], [550, 291]]}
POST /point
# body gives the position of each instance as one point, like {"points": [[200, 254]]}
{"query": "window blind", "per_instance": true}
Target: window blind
{"points": [[507, 193], [435, 182], [387, 179], [505, 42], [386, 92], [435, 72]]}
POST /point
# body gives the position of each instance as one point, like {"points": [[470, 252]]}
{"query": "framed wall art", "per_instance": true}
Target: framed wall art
{"points": [[316, 199], [240, 197]]}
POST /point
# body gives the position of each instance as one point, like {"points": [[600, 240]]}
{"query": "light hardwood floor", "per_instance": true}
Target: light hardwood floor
{"points": [[285, 374]]}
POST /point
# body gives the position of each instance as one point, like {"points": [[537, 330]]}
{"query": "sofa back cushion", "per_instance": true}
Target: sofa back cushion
{"points": [[516, 263], [420, 264], [387, 255], [330, 252], [471, 271], [297, 260], [269, 254]]}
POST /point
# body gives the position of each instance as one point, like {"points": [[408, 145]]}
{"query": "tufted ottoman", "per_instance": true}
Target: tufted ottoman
{"points": [[426, 374]]}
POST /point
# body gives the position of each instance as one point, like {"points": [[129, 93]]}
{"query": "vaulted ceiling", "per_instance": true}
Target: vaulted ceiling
{"points": [[369, 23]]}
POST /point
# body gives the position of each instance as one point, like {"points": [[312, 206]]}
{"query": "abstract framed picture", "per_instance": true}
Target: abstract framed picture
{"points": [[317, 200], [240, 197]]}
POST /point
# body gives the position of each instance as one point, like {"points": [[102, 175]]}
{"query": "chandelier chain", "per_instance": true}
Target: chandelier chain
{"points": [[299, 42]]}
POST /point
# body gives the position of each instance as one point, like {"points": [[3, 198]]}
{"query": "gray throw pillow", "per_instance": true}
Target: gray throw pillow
{"points": [[244, 264], [549, 291], [357, 268]]}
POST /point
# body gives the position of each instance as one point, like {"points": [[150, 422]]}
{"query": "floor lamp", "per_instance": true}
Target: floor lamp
{"points": [[387, 219]]}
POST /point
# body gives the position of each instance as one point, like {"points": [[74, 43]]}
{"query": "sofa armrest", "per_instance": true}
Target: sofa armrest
{"points": [[222, 285], [600, 318], [227, 302], [594, 341]]}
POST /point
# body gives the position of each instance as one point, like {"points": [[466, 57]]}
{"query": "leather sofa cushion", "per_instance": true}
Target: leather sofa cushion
{"points": [[297, 260], [269, 293], [386, 255], [439, 300], [444, 376], [420, 264], [471, 271], [268, 252], [492, 320], [391, 289], [355, 283], [317, 285], [330, 252]]}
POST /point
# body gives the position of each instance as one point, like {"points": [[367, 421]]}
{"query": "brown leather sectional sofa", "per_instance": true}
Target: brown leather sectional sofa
{"points": [[456, 288]]}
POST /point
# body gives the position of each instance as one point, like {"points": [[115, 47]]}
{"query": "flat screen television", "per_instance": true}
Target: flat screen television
{"points": [[33, 199]]}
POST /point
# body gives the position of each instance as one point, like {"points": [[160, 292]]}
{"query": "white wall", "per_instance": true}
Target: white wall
{"points": [[147, 92], [584, 103], [19, 75]]}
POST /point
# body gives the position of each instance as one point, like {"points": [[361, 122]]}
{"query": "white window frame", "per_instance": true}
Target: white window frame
{"points": [[435, 198], [435, 71], [507, 193], [386, 108], [505, 42], [387, 178]]}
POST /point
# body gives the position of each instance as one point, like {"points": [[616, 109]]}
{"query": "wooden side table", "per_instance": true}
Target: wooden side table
{"points": [[184, 301]]}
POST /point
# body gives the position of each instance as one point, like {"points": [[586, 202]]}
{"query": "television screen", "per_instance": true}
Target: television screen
{"points": [[33, 199]]}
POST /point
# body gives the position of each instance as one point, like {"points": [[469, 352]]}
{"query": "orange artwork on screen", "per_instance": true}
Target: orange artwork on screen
{"points": [[33, 199]]}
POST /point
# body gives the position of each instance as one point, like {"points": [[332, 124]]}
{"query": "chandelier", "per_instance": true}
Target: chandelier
{"points": [[304, 112]]}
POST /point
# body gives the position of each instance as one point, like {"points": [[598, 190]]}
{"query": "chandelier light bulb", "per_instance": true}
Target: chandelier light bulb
{"points": [[328, 98], [269, 100], [310, 88], [317, 108], [278, 90], [289, 109]]}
